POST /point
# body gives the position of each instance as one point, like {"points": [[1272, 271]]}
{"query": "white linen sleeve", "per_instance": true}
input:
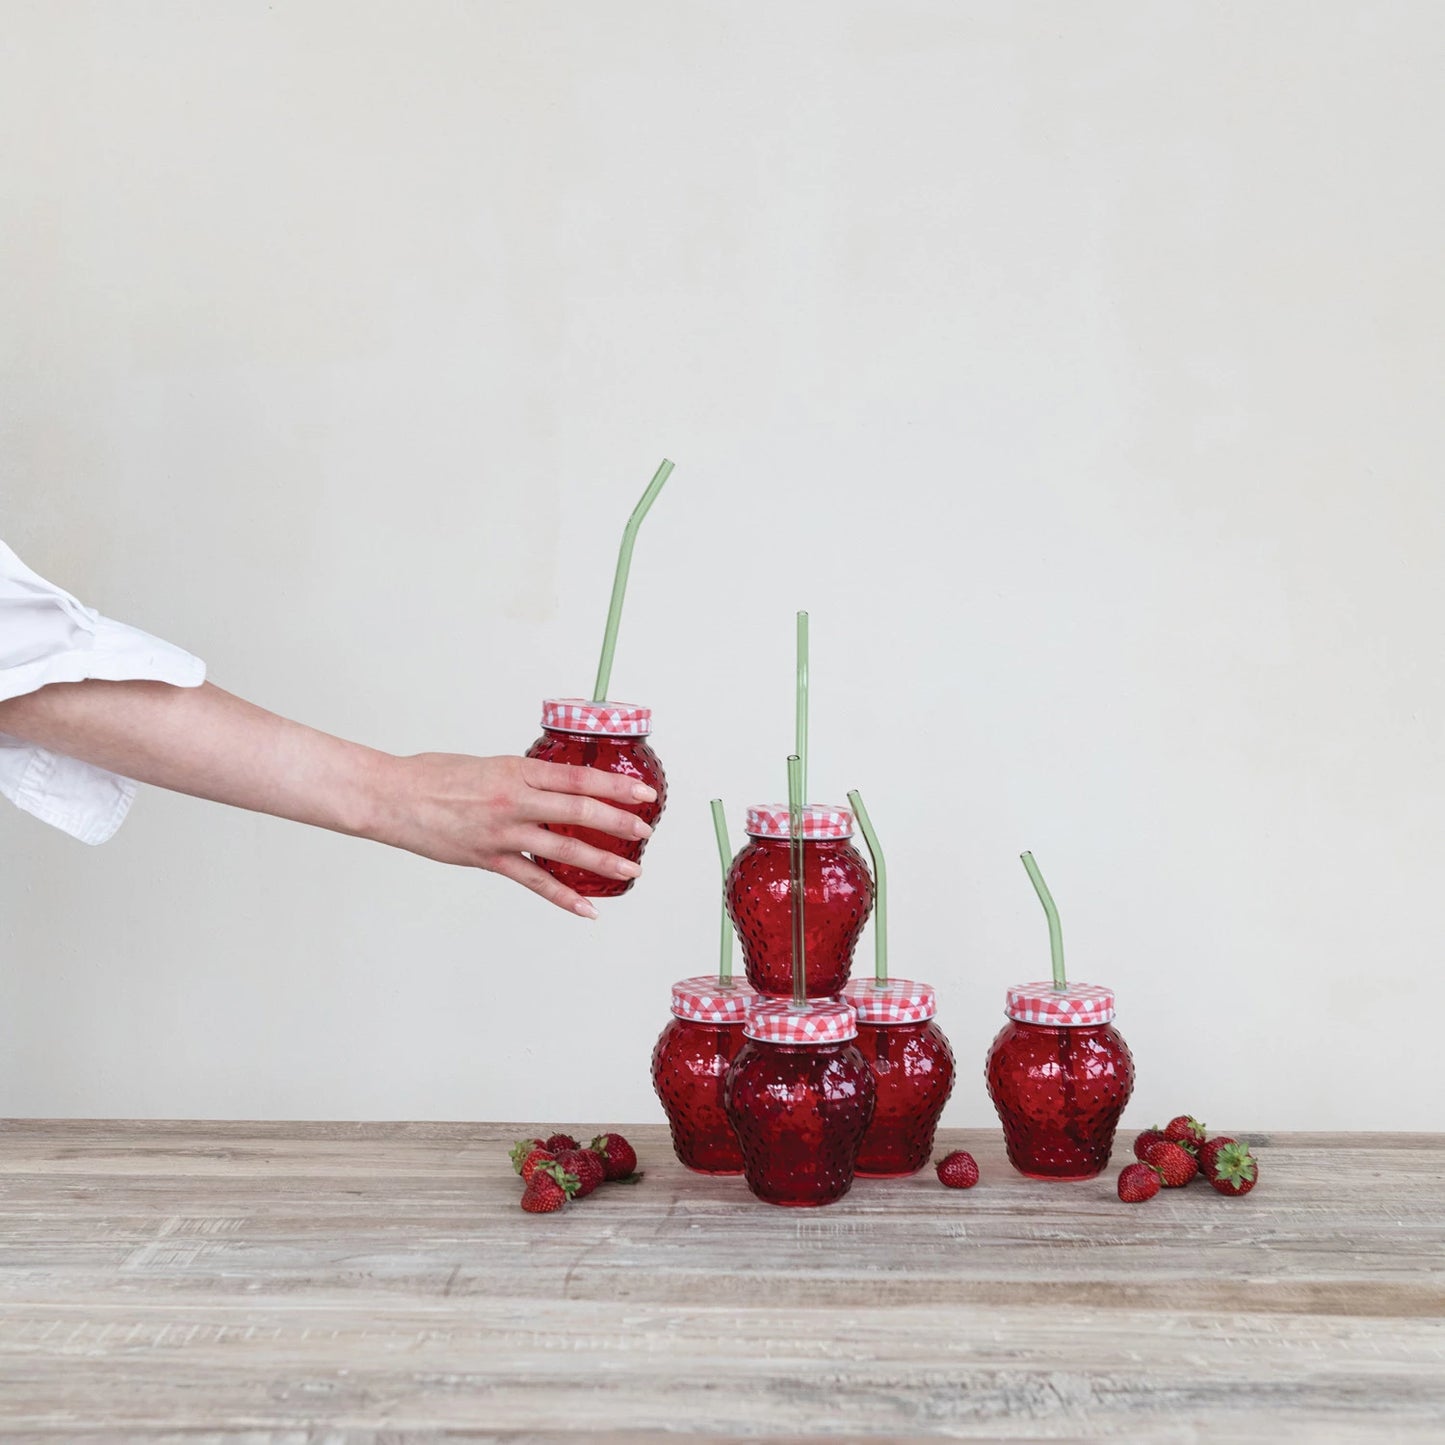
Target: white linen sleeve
{"points": [[47, 636]]}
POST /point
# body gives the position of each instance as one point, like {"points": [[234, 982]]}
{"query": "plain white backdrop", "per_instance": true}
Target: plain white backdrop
{"points": [[1078, 367]]}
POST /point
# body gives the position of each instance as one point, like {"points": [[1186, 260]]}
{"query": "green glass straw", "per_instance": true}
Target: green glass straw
{"points": [[795, 857], [619, 581], [880, 888], [800, 704], [1056, 932], [724, 852]]}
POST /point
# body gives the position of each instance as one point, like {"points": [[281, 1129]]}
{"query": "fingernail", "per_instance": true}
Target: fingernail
{"points": [[643, 793], [640, 829], [586, 909], [628, 869]]}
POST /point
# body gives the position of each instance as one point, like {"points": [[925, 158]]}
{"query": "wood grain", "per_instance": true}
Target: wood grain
{"points": [[285, 1283]]}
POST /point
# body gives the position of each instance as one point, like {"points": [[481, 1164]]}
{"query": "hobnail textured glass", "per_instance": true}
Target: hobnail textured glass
{"points": [[689, 1066], [913, 1072], [1059, 1093], [800, 1113], [838, 896], [631, 757]]}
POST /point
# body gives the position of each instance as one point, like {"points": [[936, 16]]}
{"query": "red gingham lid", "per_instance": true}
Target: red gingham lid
{"points": [[706, 1001], [1078, 1006], [578, 715], [899, 1001], [819, 1021], [820, 820]]}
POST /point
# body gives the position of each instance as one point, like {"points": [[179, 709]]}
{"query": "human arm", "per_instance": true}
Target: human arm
{"points": [[477, 812]]}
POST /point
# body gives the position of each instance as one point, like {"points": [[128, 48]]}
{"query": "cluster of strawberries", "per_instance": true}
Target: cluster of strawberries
{"points": [[557, 1169], [1170, 1157]]}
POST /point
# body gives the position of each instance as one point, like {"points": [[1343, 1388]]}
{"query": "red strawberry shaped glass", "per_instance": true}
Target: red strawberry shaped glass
{"points": [[690, 1063], [912, 1068], [612, 737], [1059, 1075], [837, 892], [799, 1095]]}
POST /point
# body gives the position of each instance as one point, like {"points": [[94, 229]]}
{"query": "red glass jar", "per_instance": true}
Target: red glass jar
{"points": [[837, 896], [799, 1095], [689, 1065], [913, 1073], [1059, 1075], [612, 737]]}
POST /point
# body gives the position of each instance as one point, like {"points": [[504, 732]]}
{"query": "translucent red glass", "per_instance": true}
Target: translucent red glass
{"points": [[838, 893], [913, 1073], [800, 1112], [689, 1066], [632, 758], [1059, 1093]]}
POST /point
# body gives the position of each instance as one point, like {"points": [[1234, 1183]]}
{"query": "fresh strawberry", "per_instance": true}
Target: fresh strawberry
{"points": [[1138, 1182], [1236, 1170], [549, 1188], [1151, 1135], [1176, 1165], [619, 1158], [1186, 1131], [521, 1149], [587, 1165], [558, 1142], [958, 1170], [533, 1160], [1208, 1152]]}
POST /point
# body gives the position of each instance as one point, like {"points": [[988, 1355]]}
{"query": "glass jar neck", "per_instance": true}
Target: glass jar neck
{"points": [[799, 1048], [1060, 1028], [615, 739]]}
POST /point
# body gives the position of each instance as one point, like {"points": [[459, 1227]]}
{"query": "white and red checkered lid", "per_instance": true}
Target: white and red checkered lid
{"points": [[706, 1001], [578, 715], [1077, 1006], [819, 1021], [819, 820], [898, 1001]]}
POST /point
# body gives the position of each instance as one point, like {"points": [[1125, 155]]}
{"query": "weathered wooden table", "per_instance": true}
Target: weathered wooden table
{"points": [[334, 1282]]}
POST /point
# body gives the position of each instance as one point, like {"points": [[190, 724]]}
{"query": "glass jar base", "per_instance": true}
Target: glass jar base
{"points": [[589, 885], [799, 1203], [1059, 1178], [714, 1173], [862, 1173]]}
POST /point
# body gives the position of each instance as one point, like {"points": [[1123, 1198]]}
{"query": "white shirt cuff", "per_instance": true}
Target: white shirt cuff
{"points": [[47, 636]]}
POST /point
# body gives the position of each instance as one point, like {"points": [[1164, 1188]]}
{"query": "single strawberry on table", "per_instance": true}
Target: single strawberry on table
{"points": [[1138, 1182], [519, 1151], [587, 1165], [1186, 1131], [1176, 1165], [619, 1158], [1236, 1170], [533, 1161], [1152, 1135], [558, 1142], [958, 1170], [1209, 1152], [549, 1188]]}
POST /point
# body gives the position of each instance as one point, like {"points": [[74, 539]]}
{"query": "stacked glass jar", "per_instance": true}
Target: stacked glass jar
{"points": [[800, 1094]]}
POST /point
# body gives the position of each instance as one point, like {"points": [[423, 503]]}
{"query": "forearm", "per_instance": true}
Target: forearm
{"points": [[210, 744]]}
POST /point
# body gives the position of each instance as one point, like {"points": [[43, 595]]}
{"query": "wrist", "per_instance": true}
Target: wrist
{"points": [[377, 797]]}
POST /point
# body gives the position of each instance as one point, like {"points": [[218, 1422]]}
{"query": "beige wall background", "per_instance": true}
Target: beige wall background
{"points": [[1079, 367]]}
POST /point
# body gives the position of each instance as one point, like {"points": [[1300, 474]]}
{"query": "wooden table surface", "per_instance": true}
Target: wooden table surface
{"points": [[378, 1282]]}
